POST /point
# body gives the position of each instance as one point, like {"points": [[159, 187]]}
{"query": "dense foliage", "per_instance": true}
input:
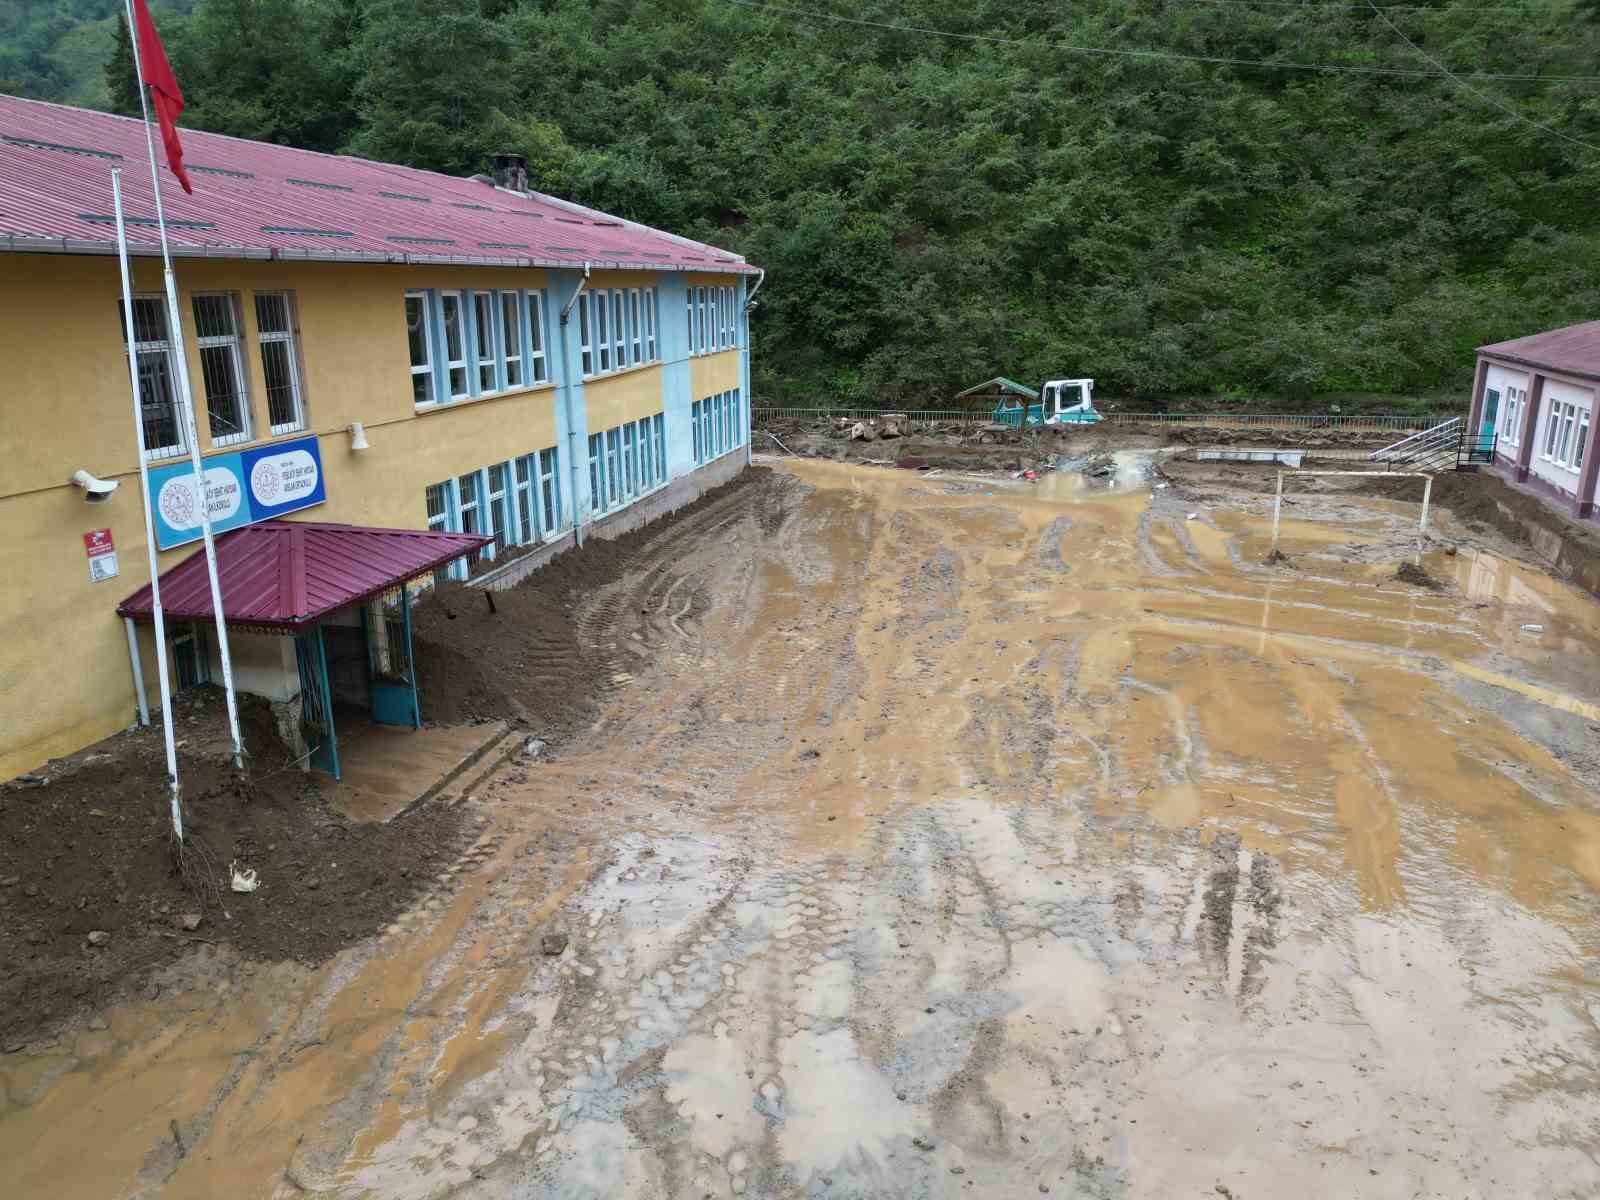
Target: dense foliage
{"points": [[935, 210]]}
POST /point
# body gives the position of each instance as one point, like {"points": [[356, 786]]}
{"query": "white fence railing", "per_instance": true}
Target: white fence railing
{"points": [[1369, 422]]}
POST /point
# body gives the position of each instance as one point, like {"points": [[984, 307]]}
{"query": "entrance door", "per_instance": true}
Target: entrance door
{"points": [[316, 701], [1491, 411], [391, 676]]}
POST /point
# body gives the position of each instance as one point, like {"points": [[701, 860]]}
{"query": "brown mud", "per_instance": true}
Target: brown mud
{"points": [[953, 836], [86, 847]]}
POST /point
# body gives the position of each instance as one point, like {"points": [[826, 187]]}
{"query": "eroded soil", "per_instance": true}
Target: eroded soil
{"points": [[952, 836]]}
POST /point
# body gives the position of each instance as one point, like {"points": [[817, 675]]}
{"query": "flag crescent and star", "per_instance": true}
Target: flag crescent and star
{"points": [[165, 93]]}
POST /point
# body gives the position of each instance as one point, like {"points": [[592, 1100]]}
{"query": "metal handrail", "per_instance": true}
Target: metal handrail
{"points": [[1446, 432]]}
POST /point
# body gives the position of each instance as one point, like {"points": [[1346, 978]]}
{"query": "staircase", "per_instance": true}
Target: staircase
{"points": [[1448, 446]]}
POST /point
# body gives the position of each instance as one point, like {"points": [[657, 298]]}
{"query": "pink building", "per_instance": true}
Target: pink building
{"points": [[1538, 395]]}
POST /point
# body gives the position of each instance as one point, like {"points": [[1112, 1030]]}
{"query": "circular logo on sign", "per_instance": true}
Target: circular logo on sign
{"points": [[177, 505], [265, 481]]}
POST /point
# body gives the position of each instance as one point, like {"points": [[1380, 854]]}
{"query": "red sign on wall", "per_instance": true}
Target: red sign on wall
{"points": [[102, 555]]}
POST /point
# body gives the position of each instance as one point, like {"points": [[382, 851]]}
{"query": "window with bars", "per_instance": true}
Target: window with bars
{"points": [[438, 501], [280, 362], [550, 494], [486, 336], [216, 324], [158, 376], [527, 515], [499, 494], [625, 463], [468, 514], [455, 343], [511, 322]]}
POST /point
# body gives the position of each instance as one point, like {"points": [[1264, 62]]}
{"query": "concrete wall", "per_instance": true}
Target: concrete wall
{"points": [[1510, 385], [65, 678], [1559, 475]]}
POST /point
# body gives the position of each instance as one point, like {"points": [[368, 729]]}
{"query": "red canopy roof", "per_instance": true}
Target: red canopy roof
{"points": [[286, 575]]}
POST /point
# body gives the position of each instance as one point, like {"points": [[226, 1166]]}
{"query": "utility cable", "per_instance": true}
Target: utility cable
{"points": [[1113, 52], [1492, 101]]}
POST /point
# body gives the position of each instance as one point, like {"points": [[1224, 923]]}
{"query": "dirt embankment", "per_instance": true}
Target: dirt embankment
{"points": [[521, 654], [973, 448], [91, 901]]}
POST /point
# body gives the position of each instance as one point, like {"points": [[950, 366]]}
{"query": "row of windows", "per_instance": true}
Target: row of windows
{"points": [[713, 321], [224, 378], [617, 329], [1560, 445], [626, 462], [517, 502], [719, 424], [469, 343]]}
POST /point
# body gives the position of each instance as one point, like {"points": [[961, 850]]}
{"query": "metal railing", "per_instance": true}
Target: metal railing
{"points": [[1354, 422], [1446, 447], [1446, 434]]}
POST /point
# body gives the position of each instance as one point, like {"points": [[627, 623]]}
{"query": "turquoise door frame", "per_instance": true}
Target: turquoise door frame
{"points": [[1491, 410], [391, 675], [316, 700]]}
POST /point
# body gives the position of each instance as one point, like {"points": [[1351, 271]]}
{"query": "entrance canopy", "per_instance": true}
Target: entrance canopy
{"points": [[284, 576]]}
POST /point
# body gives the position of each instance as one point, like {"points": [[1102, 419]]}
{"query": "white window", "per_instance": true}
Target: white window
{"points": [[280, 362], [216, 326], [629, 483], [438, 500], [596, 472], [703, 318], [511, 322], [467, 508], [690, 320], [1569, 418], [538, 366], [660, 422], [455, 342], [650, 324], [602, 328], [619, 328], [158, 376], [585, 341], [1551, 428], [485, 319], [419, 333], [635, 328], [1583, 438], [1508, 415]]}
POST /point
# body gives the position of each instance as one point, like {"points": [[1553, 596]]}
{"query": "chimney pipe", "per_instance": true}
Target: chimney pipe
{"points": [[510, 170]]}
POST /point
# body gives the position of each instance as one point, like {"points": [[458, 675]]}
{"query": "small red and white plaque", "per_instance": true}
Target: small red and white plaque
{"points": [[102, 555]]}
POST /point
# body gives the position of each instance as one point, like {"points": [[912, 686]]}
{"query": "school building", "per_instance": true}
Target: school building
{"points": [[397, 375]]}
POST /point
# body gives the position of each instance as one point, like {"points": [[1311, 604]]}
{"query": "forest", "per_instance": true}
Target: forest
{"points": [[1261, 200]]}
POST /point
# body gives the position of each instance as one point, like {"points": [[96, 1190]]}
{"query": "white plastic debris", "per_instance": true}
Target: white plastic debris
{"points": [[1533, 629], [243, 881], [1159, 486], [1192, 517]]}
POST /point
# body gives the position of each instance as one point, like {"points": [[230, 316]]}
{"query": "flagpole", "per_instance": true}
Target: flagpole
{"points": [[186, 403], [144, 488]]}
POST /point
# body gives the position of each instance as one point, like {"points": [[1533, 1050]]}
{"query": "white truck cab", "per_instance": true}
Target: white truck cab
{"points": [[1068, 401]]}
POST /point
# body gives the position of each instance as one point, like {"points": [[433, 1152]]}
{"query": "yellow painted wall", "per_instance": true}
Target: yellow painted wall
{"points": [[65, 679], [625, 396], [713, 373]]}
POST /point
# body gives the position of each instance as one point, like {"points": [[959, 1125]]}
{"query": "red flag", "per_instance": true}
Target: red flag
{"points": [[164, 90]]}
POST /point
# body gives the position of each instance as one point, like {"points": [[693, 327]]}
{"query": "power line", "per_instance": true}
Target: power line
{"points": [[1112, 52], [1521, 10], [1493, 101]]}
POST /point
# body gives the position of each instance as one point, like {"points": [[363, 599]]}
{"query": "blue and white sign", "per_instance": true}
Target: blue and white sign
{"points": [[241, 489]]}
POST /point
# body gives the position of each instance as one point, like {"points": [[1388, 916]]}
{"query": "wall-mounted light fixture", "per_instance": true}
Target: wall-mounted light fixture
{"points": [[95, 490], [358, 435]]}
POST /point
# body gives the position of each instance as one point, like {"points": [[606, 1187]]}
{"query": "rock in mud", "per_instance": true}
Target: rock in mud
{"points": [[553, 944], [1415, 575], [98, 937], [189, 921]]}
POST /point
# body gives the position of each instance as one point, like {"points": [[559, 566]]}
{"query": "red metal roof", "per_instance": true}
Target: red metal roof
{"points": [[286, 575], [1574, 349], [256, 200]]}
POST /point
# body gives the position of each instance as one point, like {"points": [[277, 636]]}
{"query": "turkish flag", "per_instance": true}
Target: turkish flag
{"points": [[164, 90]]}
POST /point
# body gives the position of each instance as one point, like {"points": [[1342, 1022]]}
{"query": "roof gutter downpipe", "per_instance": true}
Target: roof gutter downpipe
{"points": [[566, 393], [749, 400]]}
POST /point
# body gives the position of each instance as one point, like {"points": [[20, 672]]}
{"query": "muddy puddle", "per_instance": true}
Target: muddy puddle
{"points": [[945, 837]]}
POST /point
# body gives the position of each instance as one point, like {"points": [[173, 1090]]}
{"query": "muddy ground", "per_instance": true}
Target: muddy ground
{"points": [[953, 836]]}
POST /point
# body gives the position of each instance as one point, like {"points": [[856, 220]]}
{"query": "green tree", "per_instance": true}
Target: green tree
{"points": [[121, 80]]}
